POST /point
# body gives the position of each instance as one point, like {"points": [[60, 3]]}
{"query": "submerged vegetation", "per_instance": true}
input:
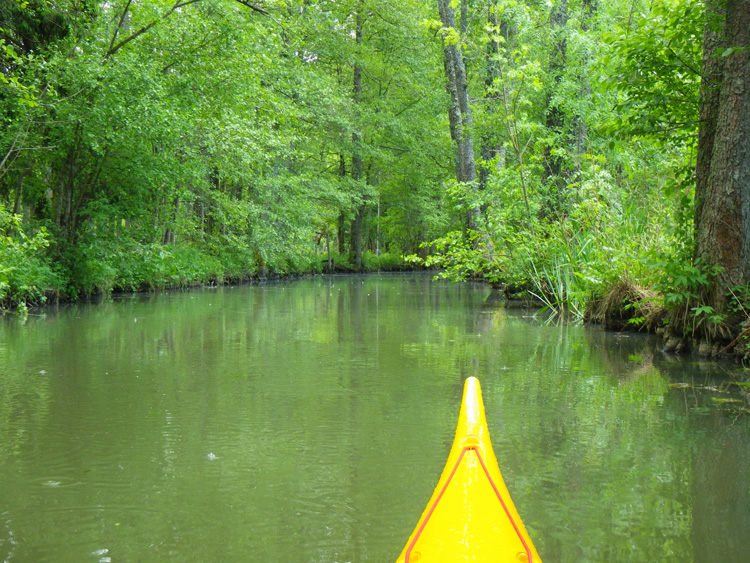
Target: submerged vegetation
{"points": [[550, 148]]}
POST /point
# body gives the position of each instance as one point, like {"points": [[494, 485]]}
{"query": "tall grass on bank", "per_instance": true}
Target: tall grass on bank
{"points": [[565, 265], [575, 261]]}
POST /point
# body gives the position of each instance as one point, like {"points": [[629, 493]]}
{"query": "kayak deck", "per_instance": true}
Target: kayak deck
{"points": [[470, 516]]}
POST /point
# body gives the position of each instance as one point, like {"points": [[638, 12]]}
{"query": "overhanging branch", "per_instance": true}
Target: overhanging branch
{"points": [[113, 48]]}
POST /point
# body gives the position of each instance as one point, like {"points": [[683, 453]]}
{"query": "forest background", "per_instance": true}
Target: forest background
{"points": [[593, 155]]}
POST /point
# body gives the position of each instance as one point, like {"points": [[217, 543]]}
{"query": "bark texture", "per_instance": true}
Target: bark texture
{"points": [[722, 217], [712, 72], [460, 111]]}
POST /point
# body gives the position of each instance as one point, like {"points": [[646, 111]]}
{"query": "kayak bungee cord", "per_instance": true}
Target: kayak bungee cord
{"points": [[475, 449], [434, 505], [500, 498], [465, 522]]}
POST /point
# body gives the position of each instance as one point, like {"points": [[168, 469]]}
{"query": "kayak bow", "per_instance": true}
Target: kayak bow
{"points": [[470, 516]]}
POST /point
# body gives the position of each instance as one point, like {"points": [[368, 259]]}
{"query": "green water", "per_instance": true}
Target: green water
{"points": [[308, 422]]}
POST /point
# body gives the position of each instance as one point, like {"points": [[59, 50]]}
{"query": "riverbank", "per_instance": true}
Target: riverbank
{"points": [[626, 282], [39, 282], [628, 307], [624, 306]]}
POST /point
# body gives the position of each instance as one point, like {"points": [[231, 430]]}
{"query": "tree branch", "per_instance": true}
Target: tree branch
{"points": [[119, 24], [113, 48], [252, 7], [140, 32]]}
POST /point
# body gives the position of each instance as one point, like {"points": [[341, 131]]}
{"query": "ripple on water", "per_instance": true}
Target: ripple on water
{"points": [[91, 532], [56, 482]]}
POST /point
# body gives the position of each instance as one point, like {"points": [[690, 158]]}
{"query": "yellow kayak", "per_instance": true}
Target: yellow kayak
{"points": [[470, 516]]}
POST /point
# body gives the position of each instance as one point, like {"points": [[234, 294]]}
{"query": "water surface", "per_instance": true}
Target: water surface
{"points": [[309, 421]]}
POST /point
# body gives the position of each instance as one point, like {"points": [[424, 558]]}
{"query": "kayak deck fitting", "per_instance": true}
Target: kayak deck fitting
{"points": [[470, 516]]}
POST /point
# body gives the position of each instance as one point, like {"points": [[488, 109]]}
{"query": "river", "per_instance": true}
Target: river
{"points": [[308, 421]]}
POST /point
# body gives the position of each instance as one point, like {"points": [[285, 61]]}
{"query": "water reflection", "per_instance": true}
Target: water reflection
{"points": [[308, 421]]}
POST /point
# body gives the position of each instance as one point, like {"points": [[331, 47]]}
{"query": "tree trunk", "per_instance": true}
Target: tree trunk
{"points": [[490, 143], [555, 121], [722, 218], [19, 193], [454, 113], [340, 227], [328, 253], [356, 236], [713, 68], [579, 120], [341, 234], [357, 166], [460, 113]]}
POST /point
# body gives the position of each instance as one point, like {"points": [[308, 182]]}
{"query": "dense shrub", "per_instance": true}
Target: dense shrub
{"points": [[26, 272]]}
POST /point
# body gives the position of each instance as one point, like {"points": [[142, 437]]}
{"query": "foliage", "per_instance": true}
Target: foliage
{"points": [[26, 275], [624, 189], [682, 284], [459, 256], [165, 147], [383, 262], [655, 64], [112, 265]]}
